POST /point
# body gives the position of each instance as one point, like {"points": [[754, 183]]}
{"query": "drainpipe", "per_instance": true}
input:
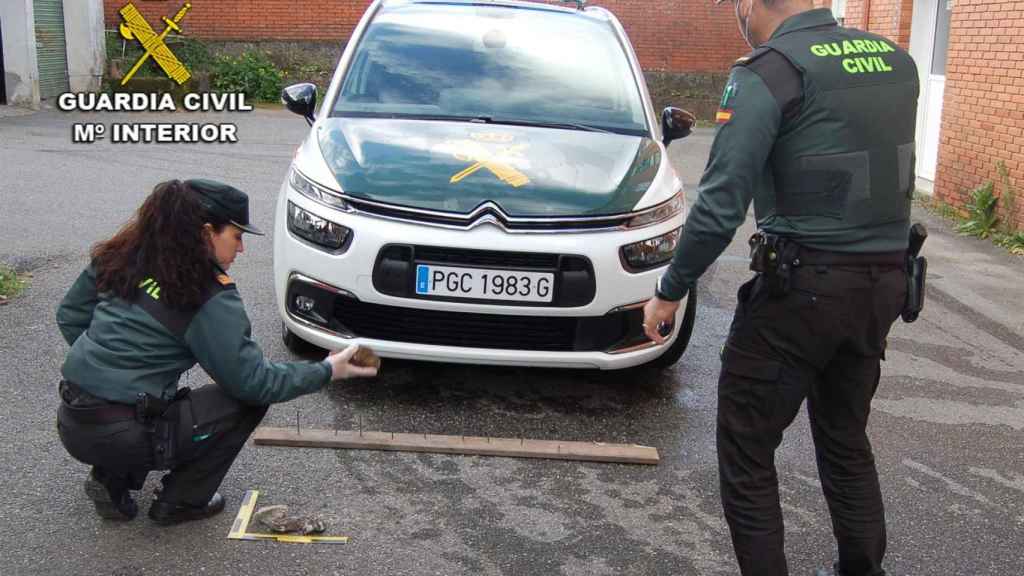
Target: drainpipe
{"points": [[867, 15]]}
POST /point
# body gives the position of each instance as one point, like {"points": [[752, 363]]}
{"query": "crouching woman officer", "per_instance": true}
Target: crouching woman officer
{"points": [[154, 301]]}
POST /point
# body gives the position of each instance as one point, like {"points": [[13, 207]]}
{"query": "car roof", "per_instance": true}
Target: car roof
{"points": [[594, 12]]}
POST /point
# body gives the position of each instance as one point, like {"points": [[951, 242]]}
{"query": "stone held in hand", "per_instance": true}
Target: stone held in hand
{"points": [[366, 357]]}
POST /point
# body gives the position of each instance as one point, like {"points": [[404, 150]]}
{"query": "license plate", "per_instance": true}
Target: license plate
{"points": [[482, 284]]}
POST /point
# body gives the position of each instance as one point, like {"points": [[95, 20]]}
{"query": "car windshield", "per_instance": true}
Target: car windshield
{"points": [[495, 64]]}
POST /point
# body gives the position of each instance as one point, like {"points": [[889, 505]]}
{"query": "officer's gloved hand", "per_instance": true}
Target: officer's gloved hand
{"points": [[345, 364]]}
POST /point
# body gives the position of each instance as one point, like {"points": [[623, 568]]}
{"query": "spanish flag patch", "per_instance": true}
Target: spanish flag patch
{"points": [[723, 116]]}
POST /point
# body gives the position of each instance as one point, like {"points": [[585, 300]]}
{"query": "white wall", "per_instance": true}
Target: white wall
{"points": [[83, 29], [21, 72]]}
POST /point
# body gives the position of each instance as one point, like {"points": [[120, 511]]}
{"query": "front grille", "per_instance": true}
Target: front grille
{"points": [[484, 258], [509, 223], [551, 334]]}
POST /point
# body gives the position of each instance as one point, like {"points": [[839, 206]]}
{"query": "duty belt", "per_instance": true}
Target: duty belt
{"points": [[811, 257], [89, 409], [775, 257], [770, 251]]}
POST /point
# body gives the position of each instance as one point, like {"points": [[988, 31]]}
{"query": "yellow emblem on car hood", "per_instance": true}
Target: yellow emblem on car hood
{"points": [[499, 161]]}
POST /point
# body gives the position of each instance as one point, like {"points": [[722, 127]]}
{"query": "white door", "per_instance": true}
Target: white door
{"points": [[932, 100], [930, 46]]}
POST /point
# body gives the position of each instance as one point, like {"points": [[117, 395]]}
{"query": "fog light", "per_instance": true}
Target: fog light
{"points": [[650, 253], [304, 304]]}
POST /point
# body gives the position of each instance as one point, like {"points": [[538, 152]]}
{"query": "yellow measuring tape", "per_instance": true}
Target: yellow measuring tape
{"points": [[238, 528]]}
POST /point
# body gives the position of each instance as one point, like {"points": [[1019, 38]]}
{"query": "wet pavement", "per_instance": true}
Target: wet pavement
{"points": [[947, 424]]}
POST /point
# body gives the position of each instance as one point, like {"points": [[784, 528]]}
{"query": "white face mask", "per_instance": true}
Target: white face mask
{"points": [[744, 23]]}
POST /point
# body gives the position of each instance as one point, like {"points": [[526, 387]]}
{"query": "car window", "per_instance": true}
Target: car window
{"points": [[501, 63]]}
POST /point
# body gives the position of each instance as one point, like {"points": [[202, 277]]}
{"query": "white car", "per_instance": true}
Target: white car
{"points": [[483, 183]]}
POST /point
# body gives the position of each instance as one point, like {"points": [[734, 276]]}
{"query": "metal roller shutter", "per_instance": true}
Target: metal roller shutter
{"points": [[51, 48]]}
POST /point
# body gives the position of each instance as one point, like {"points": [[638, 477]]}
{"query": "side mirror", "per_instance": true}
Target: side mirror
{"points": [[301, 99], [675, 124]]}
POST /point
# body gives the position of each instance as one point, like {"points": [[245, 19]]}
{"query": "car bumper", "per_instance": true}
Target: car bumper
{"points": [[346, 293]]}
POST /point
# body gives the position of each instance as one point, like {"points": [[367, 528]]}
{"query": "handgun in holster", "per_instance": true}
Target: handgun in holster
{"points": [[772, 256], [158, 413], [917, 269]]}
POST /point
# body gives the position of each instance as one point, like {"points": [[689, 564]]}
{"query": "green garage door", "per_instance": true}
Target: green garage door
{"points": [[51, 48]]}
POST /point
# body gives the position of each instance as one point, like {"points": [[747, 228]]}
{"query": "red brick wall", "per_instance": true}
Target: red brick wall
{"points": [[890, 18], [674, 35], [983, 113], [250, 19], [681, 35]]}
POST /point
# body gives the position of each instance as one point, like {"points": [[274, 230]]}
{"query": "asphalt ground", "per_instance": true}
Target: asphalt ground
{"points": [[947, 422]]}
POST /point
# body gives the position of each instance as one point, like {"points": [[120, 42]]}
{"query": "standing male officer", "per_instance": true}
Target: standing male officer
{"points": [[816, 126]]}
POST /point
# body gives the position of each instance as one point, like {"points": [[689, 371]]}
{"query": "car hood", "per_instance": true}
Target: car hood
{"points": [[456, 166]]}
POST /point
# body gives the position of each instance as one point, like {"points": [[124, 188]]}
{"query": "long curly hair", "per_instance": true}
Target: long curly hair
{"points": [[164, 241]]}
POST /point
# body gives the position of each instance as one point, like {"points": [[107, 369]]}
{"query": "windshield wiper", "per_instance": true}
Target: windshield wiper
{"points": [[564, 125], [406, 116], [476, 120]]}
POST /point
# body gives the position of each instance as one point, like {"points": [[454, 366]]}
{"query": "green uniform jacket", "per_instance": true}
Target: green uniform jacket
{"points": [[755, 145], [121, 349]]}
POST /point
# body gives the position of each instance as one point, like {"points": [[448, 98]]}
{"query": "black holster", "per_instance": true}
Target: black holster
{"points": [[149, 407], [917, 270], [161, 415], [773, 257]]}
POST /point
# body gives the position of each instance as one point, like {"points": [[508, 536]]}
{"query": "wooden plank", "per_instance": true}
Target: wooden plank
{"points": [[471, 445]]}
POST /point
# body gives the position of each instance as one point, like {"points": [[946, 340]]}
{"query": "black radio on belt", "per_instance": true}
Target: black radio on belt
{"points": [[773, 257]]}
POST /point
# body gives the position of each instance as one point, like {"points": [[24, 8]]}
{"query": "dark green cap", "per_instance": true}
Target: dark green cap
{"points": [[225, 201]]}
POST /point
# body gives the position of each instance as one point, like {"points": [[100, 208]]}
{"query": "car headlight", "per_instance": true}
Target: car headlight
{"points": [[314, 191], [650, 253], [315, 229], [659, 213]]}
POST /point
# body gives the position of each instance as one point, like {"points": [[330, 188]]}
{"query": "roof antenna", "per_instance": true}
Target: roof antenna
{"points": [[580, 4]]}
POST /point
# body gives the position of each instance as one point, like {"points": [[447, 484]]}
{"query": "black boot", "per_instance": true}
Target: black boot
{"points": [[110, 495], [170, 513]]}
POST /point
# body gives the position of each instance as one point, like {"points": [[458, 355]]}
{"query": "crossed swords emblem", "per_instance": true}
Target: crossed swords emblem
{"points": [[469, 151], [136, 27]]}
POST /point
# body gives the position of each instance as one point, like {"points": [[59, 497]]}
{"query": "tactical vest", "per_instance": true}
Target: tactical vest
{"points": [[176, 322], [843, 162]]}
